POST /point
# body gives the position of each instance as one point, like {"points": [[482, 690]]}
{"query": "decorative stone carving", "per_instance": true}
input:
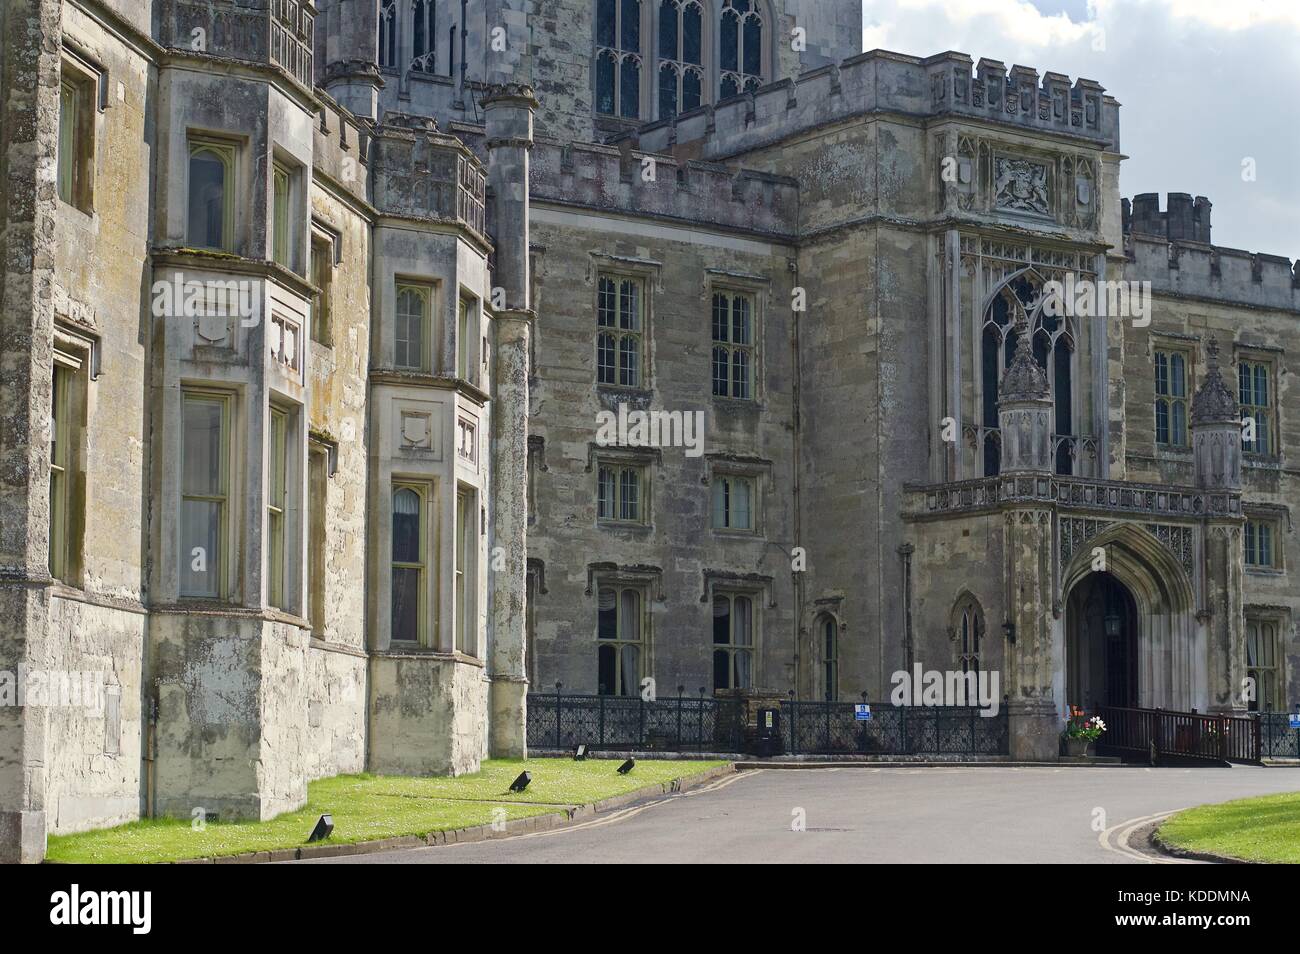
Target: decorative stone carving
{"points": [[1214, 402], [1021, 186]]}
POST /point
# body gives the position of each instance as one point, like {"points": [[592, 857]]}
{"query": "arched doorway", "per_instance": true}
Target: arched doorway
{"points": [[1155, 642], [1102, 640]]}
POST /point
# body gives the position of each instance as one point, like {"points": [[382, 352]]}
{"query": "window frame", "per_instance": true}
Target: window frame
{"points": [[618, 642], [277, 507], [61, 469], [465, 572], [731, 348], [218, 563], [318, 455], [1171, 400], [617, 54], [829, 645], [677, 63], [745, 81], [426, 292], [619, 471], [468, 325], [1273, 639], [227, 152], [424, 495], [725, 479], [1267, 410], [731, 648], [1257, 533], [327, 242], [618, 334], [76, 164]]}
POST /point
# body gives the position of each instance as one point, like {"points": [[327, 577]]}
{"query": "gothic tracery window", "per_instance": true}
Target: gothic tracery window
{"points": [[681, 57], [424, 36], [741, 35], [969, 635], [388, 34], [618, 58], [1053, 342]]}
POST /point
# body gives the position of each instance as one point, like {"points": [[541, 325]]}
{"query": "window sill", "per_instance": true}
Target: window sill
{"points": [[1275, 571], [620, 526], [739, 534]]}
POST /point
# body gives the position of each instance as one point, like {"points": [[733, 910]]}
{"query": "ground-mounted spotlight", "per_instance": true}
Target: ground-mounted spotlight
{"points": [[521, 783], [324, 828], [627, 766], [580, 753]]}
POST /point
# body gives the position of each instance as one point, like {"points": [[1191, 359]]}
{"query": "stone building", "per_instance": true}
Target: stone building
{"points": [[315, 316]]}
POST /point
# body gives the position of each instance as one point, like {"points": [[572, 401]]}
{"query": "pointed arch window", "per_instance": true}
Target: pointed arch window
{"points": [[618, 58], [969, 636], [829, 637], [424, 36], [388, 34], [1053, 343], [741, 47], [681, 57]]}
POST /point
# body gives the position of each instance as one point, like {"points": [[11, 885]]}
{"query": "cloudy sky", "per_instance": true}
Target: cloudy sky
{"points": [[1203, 86]]}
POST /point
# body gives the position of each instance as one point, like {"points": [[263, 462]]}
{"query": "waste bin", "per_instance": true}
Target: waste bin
{"points": [[767, 736]]}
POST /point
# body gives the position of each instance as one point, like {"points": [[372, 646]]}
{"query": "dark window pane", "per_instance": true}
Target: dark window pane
{"points": [[629, 90], [207, 200], [721, 620], [753, 46], [990, 367], [667, 92], [607, 667], [720, 372], [406, 603], [720, 669], [692, 96], [605, 84], [730, 42], [406, 527], [692, 30], [606, 22], [668, 30], [631, 26], [729, 88], [607, 615], [1064, 388]]}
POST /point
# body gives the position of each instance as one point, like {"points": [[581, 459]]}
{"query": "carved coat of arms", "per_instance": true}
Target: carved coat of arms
{"points": [[1021, 186]]}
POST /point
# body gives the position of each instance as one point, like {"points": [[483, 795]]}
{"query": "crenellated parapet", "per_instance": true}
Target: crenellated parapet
{"points": [[949, 84], [1197, 270], [630, 181], [418, 171], [273, 32]]}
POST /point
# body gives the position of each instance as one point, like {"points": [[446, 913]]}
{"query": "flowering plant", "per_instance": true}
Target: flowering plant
{"points": [[1081, 728]]}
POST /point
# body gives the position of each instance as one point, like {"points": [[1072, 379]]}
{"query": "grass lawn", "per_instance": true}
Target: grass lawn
{"points": [[1253, 829], [367, 807]]}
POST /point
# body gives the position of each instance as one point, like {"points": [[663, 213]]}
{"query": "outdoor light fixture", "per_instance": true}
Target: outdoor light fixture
{"points": [[1112, 622], [521, 783], [1010, 629], [324, 828], [580, 753], [627, 766]]}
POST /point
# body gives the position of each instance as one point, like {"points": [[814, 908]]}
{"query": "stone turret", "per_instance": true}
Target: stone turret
{"points": [[1025, 412], [1216, 429], [347, 54]]}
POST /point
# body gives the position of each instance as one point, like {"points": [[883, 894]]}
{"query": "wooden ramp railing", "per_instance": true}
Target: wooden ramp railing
{"points": [[1157, 733]]}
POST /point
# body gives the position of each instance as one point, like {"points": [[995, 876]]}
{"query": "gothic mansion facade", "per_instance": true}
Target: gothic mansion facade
{"points": [[311, 311]]}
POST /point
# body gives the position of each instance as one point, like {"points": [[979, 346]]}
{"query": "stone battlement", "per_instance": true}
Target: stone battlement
{"points": [[945, 84], [702, 193], [1186, 220], [1201, 270]]}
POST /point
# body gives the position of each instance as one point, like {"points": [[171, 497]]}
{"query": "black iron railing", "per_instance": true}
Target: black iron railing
{"points": [[1277, 740], [833, 728], [677, 724], [705, 724]]}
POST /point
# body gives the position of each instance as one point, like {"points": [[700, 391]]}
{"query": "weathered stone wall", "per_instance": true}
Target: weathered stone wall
{"points": [[681, 560], [1250, 304]]}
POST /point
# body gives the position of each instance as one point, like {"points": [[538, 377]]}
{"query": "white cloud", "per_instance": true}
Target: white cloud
{"points": [[1203, 84]]}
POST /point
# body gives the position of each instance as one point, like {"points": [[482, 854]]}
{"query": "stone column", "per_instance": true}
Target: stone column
{"points": [[1025, 425], [509, 115], [29, 122], [1216, 451]]}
